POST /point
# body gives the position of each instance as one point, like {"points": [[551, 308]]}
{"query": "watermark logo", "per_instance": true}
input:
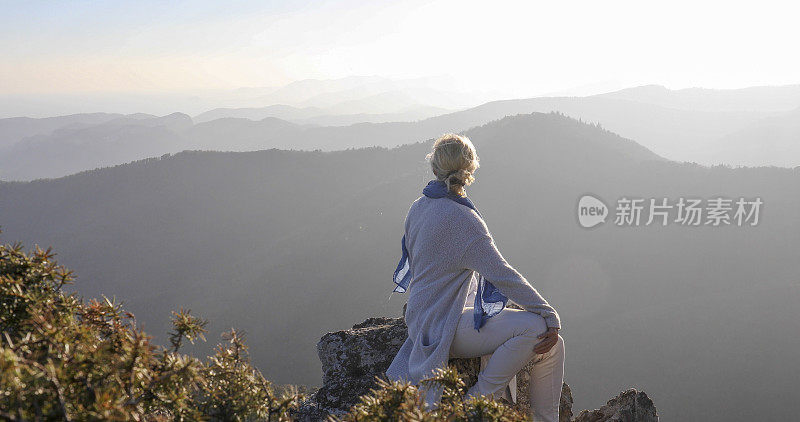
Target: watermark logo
{"points": [[713, 212], [591, 211]]}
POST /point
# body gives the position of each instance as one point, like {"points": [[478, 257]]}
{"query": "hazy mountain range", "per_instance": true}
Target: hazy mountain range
{"points": [[341, 96], [757, 98], [288, 245], [754, 126], [322, 116]]}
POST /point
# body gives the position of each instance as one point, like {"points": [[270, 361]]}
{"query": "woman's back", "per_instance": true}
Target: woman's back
{"points": [[438, 231], [437, 234]]}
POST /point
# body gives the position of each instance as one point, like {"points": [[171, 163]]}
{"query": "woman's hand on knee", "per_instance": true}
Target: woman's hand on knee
{"points": [[550, 339]]}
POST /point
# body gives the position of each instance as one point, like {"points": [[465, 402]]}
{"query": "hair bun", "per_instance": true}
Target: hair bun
{"points": [[458, 177]]}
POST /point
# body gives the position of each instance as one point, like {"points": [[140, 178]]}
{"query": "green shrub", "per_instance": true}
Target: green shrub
{"points": [[65, 359], [402, 401]]}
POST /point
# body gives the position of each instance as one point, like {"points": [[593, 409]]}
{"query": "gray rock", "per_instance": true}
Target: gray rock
{"points": [[351, 359], [628, 406]]}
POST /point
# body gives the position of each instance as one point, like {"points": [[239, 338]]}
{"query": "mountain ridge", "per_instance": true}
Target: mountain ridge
{"points": [[682, 134]]}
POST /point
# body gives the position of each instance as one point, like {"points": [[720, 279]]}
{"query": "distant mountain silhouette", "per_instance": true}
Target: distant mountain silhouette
{"points": [[78, 147], [288, 245], [682, 125], [407, 115], [774, 139], [439, 92], [279, 111], [241, 134], [320, 116], [757, 98], [14, 129], [383, 95]]}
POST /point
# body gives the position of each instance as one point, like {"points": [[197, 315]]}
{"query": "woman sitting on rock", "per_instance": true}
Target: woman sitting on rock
{"points": [[449, 257]]}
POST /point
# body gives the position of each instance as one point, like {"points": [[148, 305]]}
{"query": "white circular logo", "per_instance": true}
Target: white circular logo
{"points": [[591, 211]]}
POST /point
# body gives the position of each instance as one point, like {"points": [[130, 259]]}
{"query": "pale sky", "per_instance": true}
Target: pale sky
{"points": [[521, 48]]}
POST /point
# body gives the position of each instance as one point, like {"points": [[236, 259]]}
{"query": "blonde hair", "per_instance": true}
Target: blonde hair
{"points": [[454, 160]]}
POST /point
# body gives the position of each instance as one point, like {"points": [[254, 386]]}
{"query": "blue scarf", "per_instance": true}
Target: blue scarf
{"points": [[489, 301]]}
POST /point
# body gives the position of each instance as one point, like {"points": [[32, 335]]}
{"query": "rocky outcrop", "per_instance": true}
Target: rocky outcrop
{"points": [[630, 405], [351, 359]]}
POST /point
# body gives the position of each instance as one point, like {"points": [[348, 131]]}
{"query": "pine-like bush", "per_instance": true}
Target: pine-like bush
{"points": [[64, 359]]}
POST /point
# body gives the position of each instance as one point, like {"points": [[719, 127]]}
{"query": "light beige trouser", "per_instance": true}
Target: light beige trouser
{"points": [[509, 337]]}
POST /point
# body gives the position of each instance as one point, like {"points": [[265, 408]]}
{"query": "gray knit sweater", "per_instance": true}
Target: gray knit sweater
{"points": [[447, 242]]}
